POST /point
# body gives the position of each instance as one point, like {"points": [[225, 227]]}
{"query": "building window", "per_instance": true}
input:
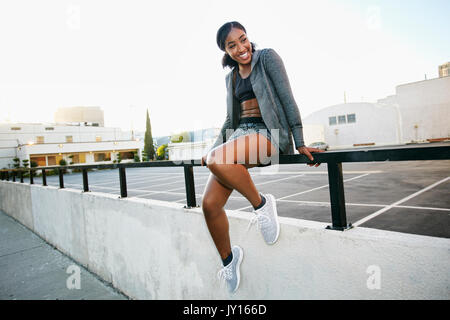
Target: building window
{"points": [[98, 138], [332, 121], [78, 158], [341, 119], [16, 128], [40, 161], [127, 155], [49, 128], [40, 139], [102, 156], [51, 160], [69, 139], [351, 118]]}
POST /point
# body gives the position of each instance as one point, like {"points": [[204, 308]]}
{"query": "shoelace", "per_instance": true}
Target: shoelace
{"points": [[226, 273], [263, 221]]}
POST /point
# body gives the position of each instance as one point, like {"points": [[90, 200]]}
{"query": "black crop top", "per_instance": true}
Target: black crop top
{"points": [[243, 90]]}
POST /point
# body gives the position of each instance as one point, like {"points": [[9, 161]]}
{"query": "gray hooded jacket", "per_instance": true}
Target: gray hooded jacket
{"points": [[276, 102]]}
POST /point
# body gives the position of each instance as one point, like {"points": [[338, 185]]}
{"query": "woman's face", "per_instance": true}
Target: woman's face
{"points": [[238, 46]]}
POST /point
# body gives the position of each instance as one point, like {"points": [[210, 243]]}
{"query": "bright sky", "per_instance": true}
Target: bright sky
{"points": [[127, 56]]}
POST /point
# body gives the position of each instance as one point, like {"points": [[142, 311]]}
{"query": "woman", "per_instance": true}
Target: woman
{"points": [[261, 117]]}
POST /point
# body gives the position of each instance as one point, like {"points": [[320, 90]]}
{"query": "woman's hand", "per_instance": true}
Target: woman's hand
{"points": [[204, 160], [307, 152]]}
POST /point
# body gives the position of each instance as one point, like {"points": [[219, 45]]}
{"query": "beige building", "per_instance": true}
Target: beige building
{"points": [[91, 115], [444, 70], [47, 144]]}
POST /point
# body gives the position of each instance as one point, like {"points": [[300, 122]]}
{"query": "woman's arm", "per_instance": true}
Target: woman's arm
{"points": [[276, 71]]}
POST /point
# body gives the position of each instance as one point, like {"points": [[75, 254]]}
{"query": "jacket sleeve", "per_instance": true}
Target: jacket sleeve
{"points": [[277, 73]]}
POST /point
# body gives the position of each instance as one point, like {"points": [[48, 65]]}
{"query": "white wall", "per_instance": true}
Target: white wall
{"points": [[188, 150], [84, 140], [425, 108], [417, 112], [313, 133], [152, 249], [375, 123]]}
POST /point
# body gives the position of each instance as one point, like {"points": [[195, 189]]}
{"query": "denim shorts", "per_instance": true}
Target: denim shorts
{"points": [[253, 125]]}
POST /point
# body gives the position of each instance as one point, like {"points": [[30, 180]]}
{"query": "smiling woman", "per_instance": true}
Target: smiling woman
{"points": [[262, 116], [236, 31]]}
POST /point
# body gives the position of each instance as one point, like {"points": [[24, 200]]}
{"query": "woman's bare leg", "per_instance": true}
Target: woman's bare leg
{"points": [[214, 198], [230, 162]]}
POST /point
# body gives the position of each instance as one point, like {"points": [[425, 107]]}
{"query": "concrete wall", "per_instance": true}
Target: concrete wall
{"points": [[151, 249]]}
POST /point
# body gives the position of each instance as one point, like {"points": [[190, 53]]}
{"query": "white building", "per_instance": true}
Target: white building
{"points": [[353, 124], [418, 112], [47, 144], [92, 115], [201, 142]]}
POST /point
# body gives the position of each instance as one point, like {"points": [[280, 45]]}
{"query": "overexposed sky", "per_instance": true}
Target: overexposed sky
{"points": [[127, 56]]}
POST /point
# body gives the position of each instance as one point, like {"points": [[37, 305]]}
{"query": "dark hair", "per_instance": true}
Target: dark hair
{"points": [[222, 34]]}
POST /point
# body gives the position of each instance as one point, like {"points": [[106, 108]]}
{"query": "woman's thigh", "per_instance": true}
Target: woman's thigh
{"points": [[249, 150], [215, 194]]}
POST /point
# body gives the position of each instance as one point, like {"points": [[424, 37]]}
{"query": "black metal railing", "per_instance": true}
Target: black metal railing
{"points": [[333, 159]]}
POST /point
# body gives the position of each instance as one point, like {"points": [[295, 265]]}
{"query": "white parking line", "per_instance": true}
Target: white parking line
{"points": [[116, 180], [377, 213], [328, 204], [315, 172], [310, 190], [155, 180], [276, 180]]}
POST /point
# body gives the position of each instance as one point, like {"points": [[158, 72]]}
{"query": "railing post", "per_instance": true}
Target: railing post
{"points": [[190, 186], [14, 176], [21, 176], [61, 178], [85, 181], [337, 198], [44, 178], [123, 182], [7, 175], [31, 177]]}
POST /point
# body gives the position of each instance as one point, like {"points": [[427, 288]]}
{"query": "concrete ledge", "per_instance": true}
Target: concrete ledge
{"points": [[152, 249]]}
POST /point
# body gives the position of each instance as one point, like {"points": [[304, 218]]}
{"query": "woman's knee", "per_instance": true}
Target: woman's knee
{"points": [[210, 207]]}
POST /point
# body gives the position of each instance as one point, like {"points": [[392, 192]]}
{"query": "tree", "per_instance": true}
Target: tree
{"points": [[16, 162], [161, 153], [25, 163], [144, 156], [136, 157], [180, 137], [148, 140]]}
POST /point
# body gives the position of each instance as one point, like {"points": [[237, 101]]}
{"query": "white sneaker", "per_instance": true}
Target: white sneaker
{"points": [[267, 218], [231, 273]]}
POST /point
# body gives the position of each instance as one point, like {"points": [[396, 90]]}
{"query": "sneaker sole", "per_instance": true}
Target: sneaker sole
{"points": [[238, 268], [276, 218]]}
